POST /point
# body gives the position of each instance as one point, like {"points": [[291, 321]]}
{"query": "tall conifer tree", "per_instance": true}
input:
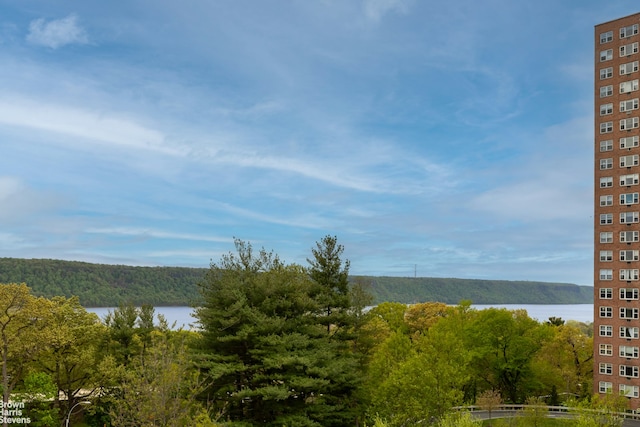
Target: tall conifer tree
{"points": [[331, 277], [264, 347]]}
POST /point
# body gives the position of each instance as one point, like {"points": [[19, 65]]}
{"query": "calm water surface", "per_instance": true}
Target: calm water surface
{"points": [[541, 312]]}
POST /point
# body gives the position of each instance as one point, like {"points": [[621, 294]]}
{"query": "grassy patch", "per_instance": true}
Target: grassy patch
{"points": [[523, 421]]}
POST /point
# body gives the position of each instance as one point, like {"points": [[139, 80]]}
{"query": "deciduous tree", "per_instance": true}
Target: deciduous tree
{"points": [[23, 334], [393, 314], [72, 351], [566, 361], [420, 317], [427, 384], [503, 344], [160, 386]]}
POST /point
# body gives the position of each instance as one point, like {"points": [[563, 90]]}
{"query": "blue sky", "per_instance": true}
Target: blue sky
{"points": [[453, 139]]}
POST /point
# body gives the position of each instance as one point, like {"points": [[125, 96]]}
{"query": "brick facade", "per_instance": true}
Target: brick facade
{"points": [[617, 208]]}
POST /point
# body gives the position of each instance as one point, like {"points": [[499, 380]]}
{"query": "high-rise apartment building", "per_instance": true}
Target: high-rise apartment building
{"points": [[617, 209]]}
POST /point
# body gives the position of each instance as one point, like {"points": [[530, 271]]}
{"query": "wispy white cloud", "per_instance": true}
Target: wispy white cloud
{"points": [[376, 9], [90, 126], [157, 234], [57, 33]]}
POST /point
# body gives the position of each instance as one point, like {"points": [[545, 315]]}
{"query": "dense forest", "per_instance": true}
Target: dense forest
{"points": [[99, 285], [410, 290]]}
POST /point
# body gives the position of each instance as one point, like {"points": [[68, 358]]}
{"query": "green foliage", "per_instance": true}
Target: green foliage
{"points": [[458, 419], [98, 285], [23, 333], [72, 350], [521, 421], [159, 387], [565, 362], [330, 275], [421, 381], [124, 339], [265, 345], [535, 413], [393, 314], [601, 411], [38, 389], [503, 344], [409, 290]]}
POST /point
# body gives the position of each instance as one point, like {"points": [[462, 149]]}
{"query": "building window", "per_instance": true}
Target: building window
{"points": [[606, 73], [629, 142], [606, 127], [606, 274], [628, 68], [606, 55], [629, 371], [625, 106], [606, 145], [630, 333], [607, 37], [606, 200], [606, 181], [629, 390], [606, 350], [628, 49], [606, 91], [624, 32], [630, 123], [628, 294], [605, 387], [606, 219], [629, 217], [628, 161], [628, 351], [625, 87], [606, 237], [606, 109], [606, 312], [628, 236], [605, 256], [606, 331], [629, 198], [628, 180], [628, 313], [628, 274], [628, 256], [606, 293], [606, 368], [607, 164]]}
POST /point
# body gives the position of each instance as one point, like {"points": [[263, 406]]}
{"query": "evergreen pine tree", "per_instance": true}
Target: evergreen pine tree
{"points": [[268, 357]]}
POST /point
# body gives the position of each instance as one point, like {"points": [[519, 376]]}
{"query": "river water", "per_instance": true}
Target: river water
{"points": [[182, 318]]}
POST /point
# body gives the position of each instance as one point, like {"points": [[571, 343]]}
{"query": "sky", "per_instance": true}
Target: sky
{"points": [[432, 138]]}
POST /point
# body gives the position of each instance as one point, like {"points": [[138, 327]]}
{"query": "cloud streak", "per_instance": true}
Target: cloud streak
{"points": [[57, 33]]}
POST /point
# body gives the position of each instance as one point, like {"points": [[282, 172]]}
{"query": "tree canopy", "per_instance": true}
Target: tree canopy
{"points": [[264, 345]]}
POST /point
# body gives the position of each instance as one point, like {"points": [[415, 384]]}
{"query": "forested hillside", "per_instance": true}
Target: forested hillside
{"points": [[99, 285], [452, 291]]}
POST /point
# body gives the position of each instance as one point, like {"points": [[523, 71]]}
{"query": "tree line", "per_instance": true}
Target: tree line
{"points": [[282, 345], [99, 285]]}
